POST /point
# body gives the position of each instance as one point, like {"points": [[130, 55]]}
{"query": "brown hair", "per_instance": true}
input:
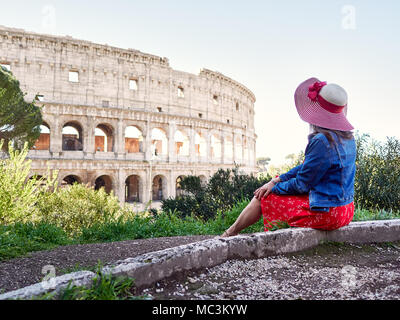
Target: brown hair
{"points": [[347, 135]]}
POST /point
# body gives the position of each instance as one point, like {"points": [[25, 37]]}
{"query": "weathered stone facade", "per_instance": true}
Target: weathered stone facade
{"points": [[107, 111]]}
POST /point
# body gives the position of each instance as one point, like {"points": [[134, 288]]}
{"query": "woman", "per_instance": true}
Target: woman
{"points": [[318, 193]]}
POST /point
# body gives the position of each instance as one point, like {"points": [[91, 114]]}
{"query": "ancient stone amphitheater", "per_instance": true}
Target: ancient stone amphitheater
{"points": [[125, 120]]}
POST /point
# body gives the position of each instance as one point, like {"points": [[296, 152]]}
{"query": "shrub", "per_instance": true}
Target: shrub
{"points": [[224, 189], [78, 206], [18, 194], [377, 180]]}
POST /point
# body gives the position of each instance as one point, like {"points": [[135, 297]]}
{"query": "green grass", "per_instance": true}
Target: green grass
{"points": [[365, 215], [20, 239], [103, 287]]}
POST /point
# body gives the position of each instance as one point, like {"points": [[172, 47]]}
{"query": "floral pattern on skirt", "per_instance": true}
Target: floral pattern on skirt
{"points": [[295, 210]]}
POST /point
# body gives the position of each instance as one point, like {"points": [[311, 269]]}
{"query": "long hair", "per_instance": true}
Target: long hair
{"points": [[347, 135]]}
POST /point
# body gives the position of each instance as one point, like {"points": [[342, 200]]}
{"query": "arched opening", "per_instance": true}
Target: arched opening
{"points": [[40, 181], [72, 137], [103, 138], [228, 148], [159, 141], [246, 150], [238, 149], [133, 140], [181, 143], [43, 143], [200, 145], [70, 180], [178, 187], [103, 182], [132, 189], [159, 183], [216, 147], [203, 180]]}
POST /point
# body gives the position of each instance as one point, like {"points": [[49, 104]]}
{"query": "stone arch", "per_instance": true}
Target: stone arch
{"points": [[37, 177], [133, 139], [104, 138], [72, 136], [216, 146], [133, 188], [182, 143], [245, 149], [200, 144], [178, 189], [159, 187], [228, 147], [104, 181], [238, 148], [159, 141], [203, 180], [43, 142], [70, 180]]}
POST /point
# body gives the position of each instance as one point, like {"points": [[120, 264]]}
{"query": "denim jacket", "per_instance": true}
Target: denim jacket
{"points": [[327, 174]]}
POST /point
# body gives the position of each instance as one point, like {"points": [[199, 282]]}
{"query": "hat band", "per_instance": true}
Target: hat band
{"points": [[333, 108]]}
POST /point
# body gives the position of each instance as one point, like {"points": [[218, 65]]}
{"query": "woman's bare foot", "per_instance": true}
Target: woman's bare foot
{"points": [[227, 234]]}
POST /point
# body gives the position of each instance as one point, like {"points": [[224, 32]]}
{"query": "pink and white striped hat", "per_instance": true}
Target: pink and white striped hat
{"points": [[322, 104]]}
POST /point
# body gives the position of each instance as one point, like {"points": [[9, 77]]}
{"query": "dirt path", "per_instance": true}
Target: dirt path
{"points": [[21, 272]]}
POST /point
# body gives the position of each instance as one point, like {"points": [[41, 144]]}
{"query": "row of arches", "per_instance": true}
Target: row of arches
{"points": [[133, 188], [104, 141]]}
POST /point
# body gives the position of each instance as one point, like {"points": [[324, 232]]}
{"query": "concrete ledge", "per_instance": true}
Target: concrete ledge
{"points": [[54, 285], [151, 267]]}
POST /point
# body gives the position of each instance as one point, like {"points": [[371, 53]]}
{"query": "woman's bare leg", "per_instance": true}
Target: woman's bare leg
{"points": [[250, 215]]}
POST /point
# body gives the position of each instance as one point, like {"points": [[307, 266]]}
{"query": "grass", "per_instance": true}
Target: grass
{"points": [[19, 239], [103, 287], [366, 215]]}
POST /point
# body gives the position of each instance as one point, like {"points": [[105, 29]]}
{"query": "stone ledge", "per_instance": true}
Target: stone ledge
{"points": [[56, 284], [151, 267]]}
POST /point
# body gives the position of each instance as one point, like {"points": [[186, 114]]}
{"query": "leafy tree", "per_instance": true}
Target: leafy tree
{"points": [[262, 163], [19, 120]]}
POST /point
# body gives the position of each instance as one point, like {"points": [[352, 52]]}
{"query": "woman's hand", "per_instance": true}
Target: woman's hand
{"points": [[266, 189]]}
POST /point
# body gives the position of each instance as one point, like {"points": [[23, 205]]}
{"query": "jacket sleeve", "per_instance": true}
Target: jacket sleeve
{"points": [[290, 174], [315, 165]]}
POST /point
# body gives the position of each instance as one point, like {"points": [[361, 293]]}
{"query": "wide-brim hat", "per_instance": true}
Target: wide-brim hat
{"points": [[322, 104]]}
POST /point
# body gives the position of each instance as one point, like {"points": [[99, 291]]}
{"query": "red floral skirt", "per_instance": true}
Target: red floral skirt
{"points": [[295, 210]]}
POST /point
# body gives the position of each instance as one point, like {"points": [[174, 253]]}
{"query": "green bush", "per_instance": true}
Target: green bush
{"points": [[78, 206], [18, 194], [224, 189], [377, 181]]}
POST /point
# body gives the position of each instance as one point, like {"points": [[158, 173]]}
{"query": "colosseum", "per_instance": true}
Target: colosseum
{"points": [[125, 120]]}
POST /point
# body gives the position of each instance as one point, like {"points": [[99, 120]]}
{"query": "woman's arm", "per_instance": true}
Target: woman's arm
{"points": [[290, 174], [266, 189], [315, 165]]}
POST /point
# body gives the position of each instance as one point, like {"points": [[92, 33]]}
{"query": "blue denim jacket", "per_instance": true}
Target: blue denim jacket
{"points": [[327, 174]]}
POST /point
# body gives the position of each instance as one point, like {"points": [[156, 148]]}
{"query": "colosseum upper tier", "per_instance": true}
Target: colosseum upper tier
{"points": [[125, 120]]}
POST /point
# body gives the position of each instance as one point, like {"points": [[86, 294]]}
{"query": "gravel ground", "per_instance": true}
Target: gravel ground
{"points": [[329, 271], [24, 271]]}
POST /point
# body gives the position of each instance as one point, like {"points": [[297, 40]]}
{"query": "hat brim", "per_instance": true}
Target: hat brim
{"points": [[312, 112]]}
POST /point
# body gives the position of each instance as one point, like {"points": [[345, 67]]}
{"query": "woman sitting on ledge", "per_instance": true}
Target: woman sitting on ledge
{"points": [[319, 193]]}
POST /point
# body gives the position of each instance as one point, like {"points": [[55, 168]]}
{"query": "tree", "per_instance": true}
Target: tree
{"points": [[19, 120], [262, 163]]}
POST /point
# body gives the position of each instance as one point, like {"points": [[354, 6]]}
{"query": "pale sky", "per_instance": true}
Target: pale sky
{"points": [[269, 46]]}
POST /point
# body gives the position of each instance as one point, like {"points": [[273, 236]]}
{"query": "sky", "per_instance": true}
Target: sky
{"points": [[269, 46]]}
